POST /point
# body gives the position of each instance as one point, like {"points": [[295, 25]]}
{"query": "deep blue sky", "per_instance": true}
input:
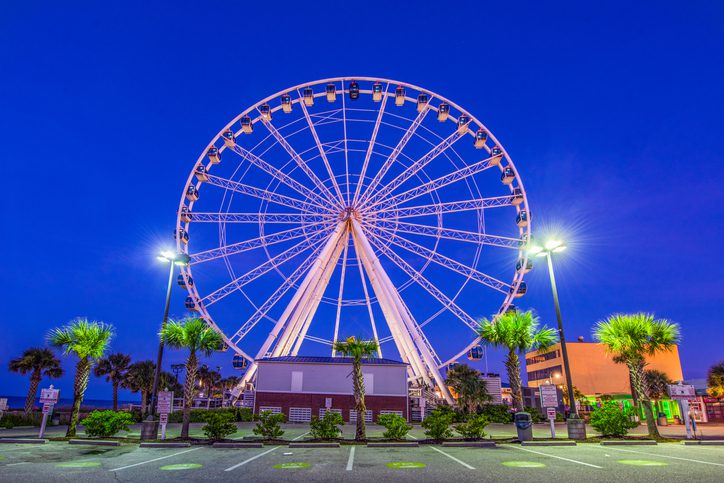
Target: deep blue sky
{"points": [[613, 114]]}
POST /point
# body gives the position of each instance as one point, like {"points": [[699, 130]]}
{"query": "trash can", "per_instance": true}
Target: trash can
{"points": [[662, 420], [524, 426]]}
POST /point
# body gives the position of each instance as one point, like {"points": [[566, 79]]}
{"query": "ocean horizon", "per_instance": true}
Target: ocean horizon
{"points": [[18, 402]]}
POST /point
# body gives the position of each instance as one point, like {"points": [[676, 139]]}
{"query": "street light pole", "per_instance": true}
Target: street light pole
{"points": [[562, 338], [159, 359]]}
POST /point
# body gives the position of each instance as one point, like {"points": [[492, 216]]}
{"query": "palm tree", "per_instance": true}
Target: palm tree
{"points": [[715, 380], [169, 382], [89, 341], [469, 387], [192, 334], [632, 337], [657, 385], [39, 362], [518, 332], [209, 380], [114, 367], [139, 378], [358, 349]]}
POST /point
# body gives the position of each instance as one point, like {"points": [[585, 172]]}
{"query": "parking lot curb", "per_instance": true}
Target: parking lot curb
{"points": [[704, 442], [94, 442], [469, 444], [548, 443], [23, 440], [314, 445], [165, 445], [237, 445], [642, 442], [392, 444]]}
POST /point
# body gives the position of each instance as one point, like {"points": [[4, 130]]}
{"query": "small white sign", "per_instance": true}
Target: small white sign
{"points": [[551, 413], [47, 408], [165, 402], [49, 395], [548, 396], [163, 417], [3, 403], [682, 391]]}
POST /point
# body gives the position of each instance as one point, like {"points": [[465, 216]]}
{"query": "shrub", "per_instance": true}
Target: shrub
{"points": [[199, 415], [457, 415], [611, 420], [268, 425], [535, 414], [327, 427], [103, 424], [474, 427], [219, 425], [244, 414], [396, 426], [497, 413], [438, 424], [10, 420]]}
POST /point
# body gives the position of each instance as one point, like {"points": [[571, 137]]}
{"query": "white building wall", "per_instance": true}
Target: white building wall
{"points": [[318, 378], [492, 383]]}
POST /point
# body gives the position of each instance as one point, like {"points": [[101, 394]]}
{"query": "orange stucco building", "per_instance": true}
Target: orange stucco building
{"points": [[593, 371]]}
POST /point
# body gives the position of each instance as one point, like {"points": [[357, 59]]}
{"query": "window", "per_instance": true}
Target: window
{"points": [[543, 357], [300, 415], [323, 411], [389, 411], [272, 409], [353, 416], [546, 373]]}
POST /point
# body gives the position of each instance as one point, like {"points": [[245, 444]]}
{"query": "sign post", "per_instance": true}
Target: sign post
{"points": [[682, 393], [48, 398], [549, 401], [164, 406], [3, 405]]}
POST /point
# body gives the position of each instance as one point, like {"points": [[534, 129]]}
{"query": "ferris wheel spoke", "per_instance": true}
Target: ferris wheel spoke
{"points": [[447, 262], [279, 175], [260, 270], [371, 146], [395, 152], [251, 244], [346, 151], [300, 162], [424, 283], [440, 182], [341, 291], [411, 170], [261, 218], [449, 233], [264, 195], [443, 208], [276, 296], [320, 147], [369, 307]]}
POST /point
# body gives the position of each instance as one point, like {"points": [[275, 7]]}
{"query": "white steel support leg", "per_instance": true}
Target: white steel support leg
{"points": [[339, 296], [402, 312], [376, 274]]}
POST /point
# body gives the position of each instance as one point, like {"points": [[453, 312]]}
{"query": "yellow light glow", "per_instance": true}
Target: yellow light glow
{"points": [[553, 244]]}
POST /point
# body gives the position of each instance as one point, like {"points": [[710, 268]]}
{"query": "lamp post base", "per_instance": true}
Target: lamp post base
{"points": [[149, 429], [576, 429]]}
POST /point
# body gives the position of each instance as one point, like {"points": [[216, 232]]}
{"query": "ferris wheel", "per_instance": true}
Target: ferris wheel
{"points": [[354, 206]]}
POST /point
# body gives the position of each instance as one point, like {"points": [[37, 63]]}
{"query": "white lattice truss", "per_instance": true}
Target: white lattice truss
{"points": [[371, 221]]}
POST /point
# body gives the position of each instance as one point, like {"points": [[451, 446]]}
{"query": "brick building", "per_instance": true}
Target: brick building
{"points": [[302, 387]]}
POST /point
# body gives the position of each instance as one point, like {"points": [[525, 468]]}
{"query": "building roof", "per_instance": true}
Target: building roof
{"points": [[331, 360]]}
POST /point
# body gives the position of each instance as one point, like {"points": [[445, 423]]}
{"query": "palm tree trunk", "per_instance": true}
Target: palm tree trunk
{"points": [[512, 365], [636, 369], [115, 395], [359, 400], [144, 402], [32, 391], [82, 375], [189, 386]]}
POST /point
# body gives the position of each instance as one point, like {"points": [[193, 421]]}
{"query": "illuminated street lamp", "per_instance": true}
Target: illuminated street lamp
{"points": [[173, 259], [548, 248]]}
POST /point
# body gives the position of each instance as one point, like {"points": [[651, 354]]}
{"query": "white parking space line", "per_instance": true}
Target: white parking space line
{"points": [[663, 456], [300, 436], [452, 458], [350, 460], [556, 457], [16, 464], [155, 459], [251, 459]]}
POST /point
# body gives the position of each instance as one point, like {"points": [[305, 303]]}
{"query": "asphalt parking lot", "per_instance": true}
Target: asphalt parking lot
{"points": [[59, 461]]}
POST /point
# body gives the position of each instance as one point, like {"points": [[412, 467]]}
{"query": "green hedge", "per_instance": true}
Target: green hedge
{"points": [[10, 420], [199, 415]]}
